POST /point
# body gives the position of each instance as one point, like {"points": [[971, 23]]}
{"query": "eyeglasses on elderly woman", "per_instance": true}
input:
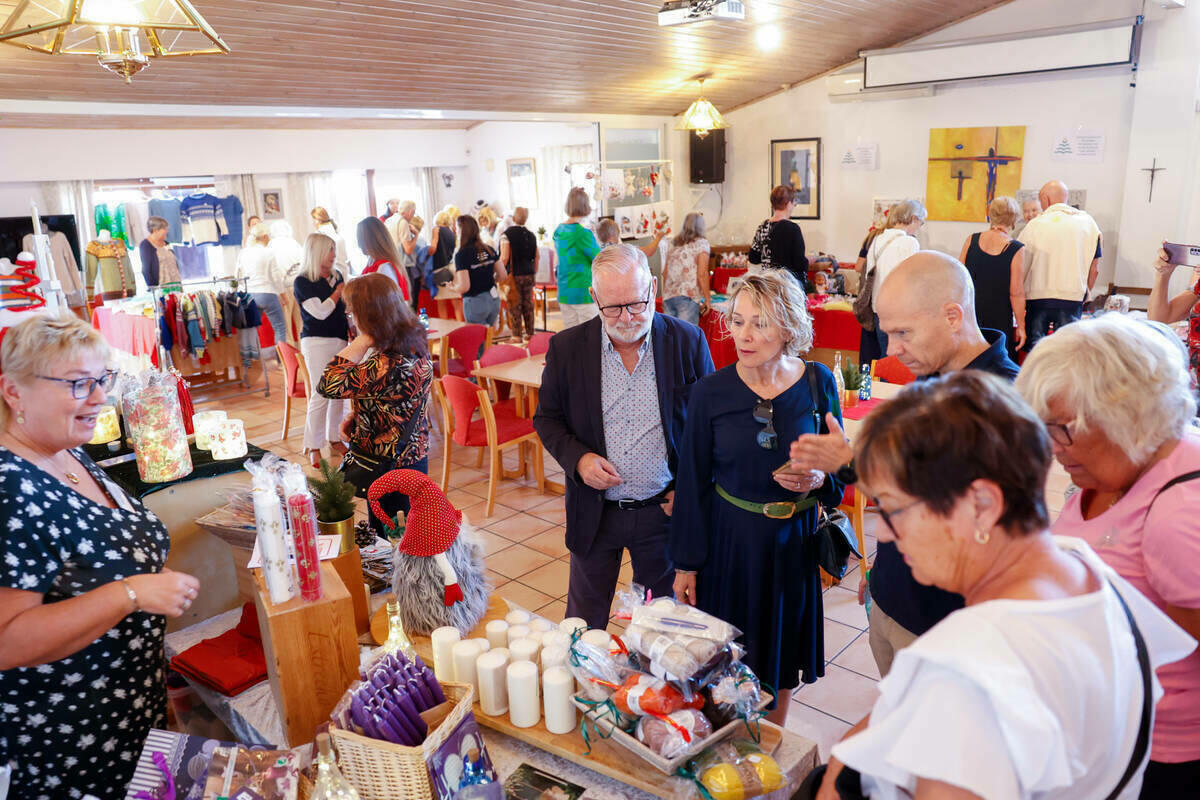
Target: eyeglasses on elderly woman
{"points": [[82, 388]]}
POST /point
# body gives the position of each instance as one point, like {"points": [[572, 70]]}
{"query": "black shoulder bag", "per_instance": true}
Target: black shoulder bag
{"points": [[836, 539], [362, 469]]}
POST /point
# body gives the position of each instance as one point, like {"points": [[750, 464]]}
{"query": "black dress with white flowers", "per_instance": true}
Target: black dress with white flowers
{"points": [[76, 726]]}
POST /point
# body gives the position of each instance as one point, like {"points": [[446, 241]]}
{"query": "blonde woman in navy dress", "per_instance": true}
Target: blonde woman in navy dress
{"points": [[83, 588], [741, 536]]}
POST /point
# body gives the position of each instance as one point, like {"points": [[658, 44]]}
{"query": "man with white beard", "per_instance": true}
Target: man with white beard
{"points": [[611, 411]]}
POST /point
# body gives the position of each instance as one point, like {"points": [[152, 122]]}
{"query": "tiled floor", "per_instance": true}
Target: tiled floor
{"points": [[528, 562]]}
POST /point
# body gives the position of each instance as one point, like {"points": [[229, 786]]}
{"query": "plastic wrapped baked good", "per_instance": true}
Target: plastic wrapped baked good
{"points": [[679, 656], [736, 769], [645, 694], [735, 693], [666, 615], [670, 735]]}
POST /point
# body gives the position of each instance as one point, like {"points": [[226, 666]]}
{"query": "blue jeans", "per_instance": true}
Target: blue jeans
{"points": [[684, 308], [481, 309], [1040, 313], [268, 303]]}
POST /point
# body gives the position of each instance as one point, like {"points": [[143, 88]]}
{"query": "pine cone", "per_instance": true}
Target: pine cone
{"points": [[363, 535]]}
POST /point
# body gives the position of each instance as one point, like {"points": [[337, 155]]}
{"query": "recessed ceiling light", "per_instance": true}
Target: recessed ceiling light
{"points": [[768, 37]]}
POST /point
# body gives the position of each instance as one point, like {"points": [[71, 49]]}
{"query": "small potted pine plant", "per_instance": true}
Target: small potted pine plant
{"points": [[334, 500], [541, 232], [853, 380]]}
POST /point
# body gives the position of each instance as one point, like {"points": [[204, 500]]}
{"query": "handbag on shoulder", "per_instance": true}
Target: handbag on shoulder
{"points": [[836, 539]]}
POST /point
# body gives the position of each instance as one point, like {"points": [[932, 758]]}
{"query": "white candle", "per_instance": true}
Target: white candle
{"points": [[484, 644], [555, 656], [443, 640], [502, 651], [497, 633], [229, 440], [205, 424], [523, 650], [597, 638], [491, 671], [557, 686], [515, 632], [464, 655], [268, 519], [541, 625], [555, 639], [518, 617], [535, 636], [524, 710], [572, 624]]}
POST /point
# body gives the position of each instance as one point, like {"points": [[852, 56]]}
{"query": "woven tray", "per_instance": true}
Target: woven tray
{"points": [[385, 771], [670, 765]]}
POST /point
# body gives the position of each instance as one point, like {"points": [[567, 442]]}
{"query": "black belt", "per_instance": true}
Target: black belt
{"points": [[630, 505]]}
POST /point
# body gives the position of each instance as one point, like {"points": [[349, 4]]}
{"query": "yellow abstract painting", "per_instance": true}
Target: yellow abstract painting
{"points": [[970, 167]]}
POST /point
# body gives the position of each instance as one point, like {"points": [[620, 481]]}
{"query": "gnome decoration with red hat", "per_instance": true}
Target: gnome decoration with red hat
{"points": [[438, 573]]}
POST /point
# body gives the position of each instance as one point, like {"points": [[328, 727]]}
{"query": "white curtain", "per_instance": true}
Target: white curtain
{"points": [[555, 180], [71, 197], [427, 183]]}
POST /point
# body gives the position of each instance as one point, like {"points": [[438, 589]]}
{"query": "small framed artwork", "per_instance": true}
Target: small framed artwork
{"points": [[272, 203], [522, 182], [797, 163]]}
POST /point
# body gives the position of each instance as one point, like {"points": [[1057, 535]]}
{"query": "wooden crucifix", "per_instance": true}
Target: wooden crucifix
{"points": [[1153, 169]]}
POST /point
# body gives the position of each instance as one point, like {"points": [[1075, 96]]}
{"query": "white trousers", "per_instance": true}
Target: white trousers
{"points": [[577, 313], [324, 415]]}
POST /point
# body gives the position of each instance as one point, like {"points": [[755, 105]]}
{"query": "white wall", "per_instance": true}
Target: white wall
{"points": [[15, 197], [1045, 104]]}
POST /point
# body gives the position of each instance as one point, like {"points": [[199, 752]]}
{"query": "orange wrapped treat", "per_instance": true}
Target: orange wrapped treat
{"points": [[645, 694]]}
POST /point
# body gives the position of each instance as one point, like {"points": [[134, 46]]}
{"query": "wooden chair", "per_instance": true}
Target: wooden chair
{"points": [[854, 506], [890, 370], [295, 381], [466, 342], [496, 429], [540, 343], [501, 391]]}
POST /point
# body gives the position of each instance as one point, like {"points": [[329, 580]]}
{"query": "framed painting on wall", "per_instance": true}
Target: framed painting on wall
{"points": [[797, 163], [522, 182], [272, 203], [971, 167]]}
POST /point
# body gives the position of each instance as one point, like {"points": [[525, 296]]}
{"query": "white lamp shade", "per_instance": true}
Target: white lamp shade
{"points": [[229, 440], [108, 427], [205, 424]]}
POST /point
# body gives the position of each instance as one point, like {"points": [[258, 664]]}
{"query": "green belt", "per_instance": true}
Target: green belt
{"points": [[785, 509]]}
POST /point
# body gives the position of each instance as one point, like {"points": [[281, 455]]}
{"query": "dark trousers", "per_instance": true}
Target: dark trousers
{"points": [[641, 531], [1039, 314], [1170, 780], [881, 338], [414, 287], [522, 313], [396, 501]]}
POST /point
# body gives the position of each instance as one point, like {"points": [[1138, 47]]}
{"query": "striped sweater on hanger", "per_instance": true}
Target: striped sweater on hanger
{"points": [[203, 219]]}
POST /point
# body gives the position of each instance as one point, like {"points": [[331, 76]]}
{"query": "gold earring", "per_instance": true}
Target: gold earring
{"points": [[20, 417], [982, 536]]}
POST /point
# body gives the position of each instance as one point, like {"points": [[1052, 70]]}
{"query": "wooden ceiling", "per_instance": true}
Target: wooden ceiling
{"points": [[215, 121], [573, 56]]}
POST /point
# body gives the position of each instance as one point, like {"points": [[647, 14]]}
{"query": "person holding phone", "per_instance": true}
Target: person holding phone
{"points": [[1185, 305]]}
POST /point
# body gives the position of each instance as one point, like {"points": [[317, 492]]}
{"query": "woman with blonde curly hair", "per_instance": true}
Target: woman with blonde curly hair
{"points": [[323, 223], [741, 535]]}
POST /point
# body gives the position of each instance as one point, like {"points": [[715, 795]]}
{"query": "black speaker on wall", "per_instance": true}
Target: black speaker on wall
{"points": [[707, 157]]}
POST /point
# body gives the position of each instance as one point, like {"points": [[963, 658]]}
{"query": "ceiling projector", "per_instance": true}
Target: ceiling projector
{"points": [[683, 12]]}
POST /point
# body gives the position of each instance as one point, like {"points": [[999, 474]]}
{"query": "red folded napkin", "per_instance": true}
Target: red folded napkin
{"points": [[230, 663], [862, 409]]}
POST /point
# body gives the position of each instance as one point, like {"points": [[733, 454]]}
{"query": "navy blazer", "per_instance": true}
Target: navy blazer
{"points": [[570, 419]]}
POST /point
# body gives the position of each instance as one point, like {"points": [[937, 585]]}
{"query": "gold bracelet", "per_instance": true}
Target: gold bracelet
{"points": [[132, 594]]}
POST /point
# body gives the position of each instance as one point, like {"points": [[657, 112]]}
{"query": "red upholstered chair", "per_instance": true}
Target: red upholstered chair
{"points": [[501, 391], [466, 343], [496, 428], [295, 381], [540, 343], [890, 370]]}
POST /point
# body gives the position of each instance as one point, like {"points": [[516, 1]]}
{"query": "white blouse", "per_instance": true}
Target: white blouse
{"points": [[1019, 698]]}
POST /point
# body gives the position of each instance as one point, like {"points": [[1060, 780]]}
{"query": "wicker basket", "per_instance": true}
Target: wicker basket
{"points": [[385, 771]]}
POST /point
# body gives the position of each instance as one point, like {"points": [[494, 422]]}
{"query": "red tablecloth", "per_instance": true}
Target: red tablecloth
{"points": [[721, 277], [720, 343], [863, 408], [835, 330]]}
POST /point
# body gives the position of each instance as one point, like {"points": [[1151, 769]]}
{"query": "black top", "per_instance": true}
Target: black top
{"points": [[522, 247], [992, 275], [780, 245], [335, 326], [445, 247], [915, 607], [149, 256], [481, 268]]}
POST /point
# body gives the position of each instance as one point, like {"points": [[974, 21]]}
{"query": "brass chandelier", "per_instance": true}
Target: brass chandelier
{"points": [[111, 30], [701, 116]]}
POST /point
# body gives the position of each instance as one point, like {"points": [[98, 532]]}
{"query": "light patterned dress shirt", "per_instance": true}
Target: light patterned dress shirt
{"points": [[633, 431]]}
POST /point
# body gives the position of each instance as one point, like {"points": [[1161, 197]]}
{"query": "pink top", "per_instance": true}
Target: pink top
{"points": [[1160, 555]]}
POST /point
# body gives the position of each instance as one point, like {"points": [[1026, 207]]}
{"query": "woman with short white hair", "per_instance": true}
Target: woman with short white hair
{"points": [[897, 242], [1116, 398], [326, 329]]}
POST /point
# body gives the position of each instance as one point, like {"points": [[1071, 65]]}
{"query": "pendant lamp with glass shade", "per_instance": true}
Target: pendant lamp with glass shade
{"points": [[122, 34], [701, 117]]}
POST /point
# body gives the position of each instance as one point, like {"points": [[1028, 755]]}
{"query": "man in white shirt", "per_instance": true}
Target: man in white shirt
{"points": [[1063, 254]]}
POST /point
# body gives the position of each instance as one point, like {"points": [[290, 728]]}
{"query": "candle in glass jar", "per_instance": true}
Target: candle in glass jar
{"points": [[524, 710], [229, 441], [497, 633], [518, 617], [108, 427], [523, 650], [491, 671], [443, 640], [205, 424], [515, 632], [557, 686], [464, 654]]}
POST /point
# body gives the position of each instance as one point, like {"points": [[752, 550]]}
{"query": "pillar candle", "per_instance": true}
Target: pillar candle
{"points": [[491, 670], [555, 639], [443, 640], [515, 632], [598, 638], [555, 656], [502, 651], [302, 515], [268, 519], [557, 686], [523, 650], [524, 710], [518, 617], [541, 625], [497, 633], [464, 655], [572, 624], [484, 644], [229, 440], [535, 636]]}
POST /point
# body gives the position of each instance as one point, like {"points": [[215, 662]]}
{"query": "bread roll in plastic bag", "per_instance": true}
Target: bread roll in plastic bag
{"points": [[671, 735]]}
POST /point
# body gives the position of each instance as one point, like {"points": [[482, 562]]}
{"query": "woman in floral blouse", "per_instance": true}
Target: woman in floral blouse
{"points": [[387, 373]]}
